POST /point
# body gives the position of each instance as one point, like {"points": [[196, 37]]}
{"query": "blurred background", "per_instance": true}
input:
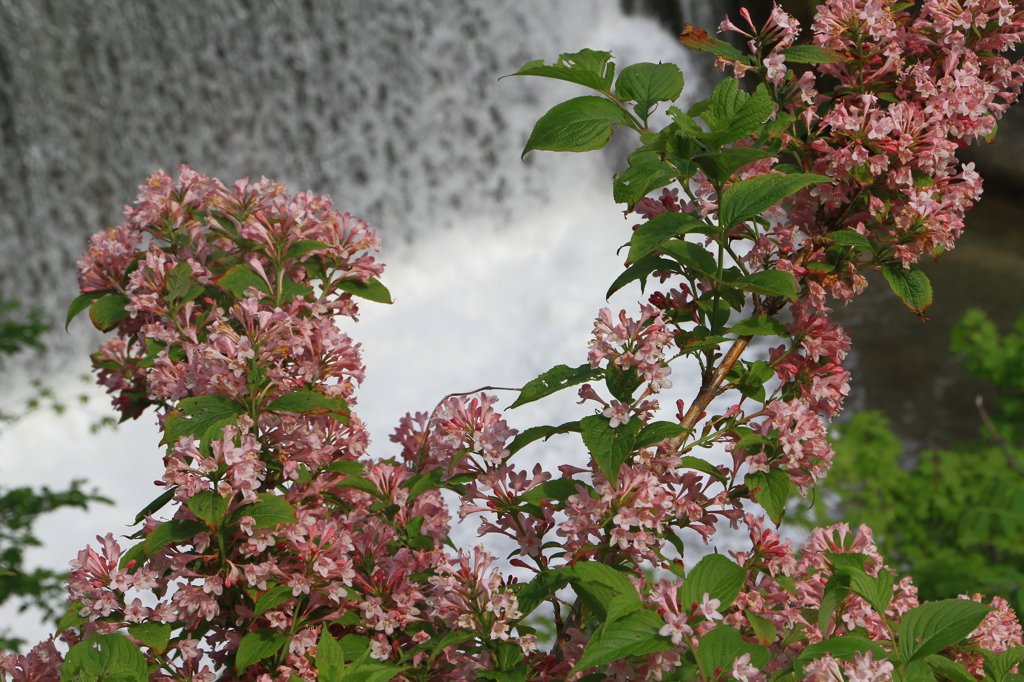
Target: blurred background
{"points": [[394, 109]]}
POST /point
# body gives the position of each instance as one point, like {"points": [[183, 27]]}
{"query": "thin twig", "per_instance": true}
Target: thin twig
{"points": [[1000, 441]]}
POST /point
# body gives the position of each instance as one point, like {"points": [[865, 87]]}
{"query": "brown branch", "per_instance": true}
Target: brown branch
{"points": [[1003, 445]]}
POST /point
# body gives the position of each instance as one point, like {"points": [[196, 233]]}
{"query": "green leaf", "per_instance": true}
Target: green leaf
{"points": [[560, 489], [716, 576], [998, 666], [651, 235], [691, 255], [769, 283], [209, 506], [371, 290], [764, 629], [71, 617], [837, 588], [194, 416], [760, 325], [171, 532], [304, 246], [699, 39], [239, 278], [911, 285], [80, 303], [724, 104], [257, 645], [330, 658], [750, 198], [640, 271], [812, 54], [272, 598], [609, 447], [721, 165], [267, 512], [310, 402], [596, 572], [771, 490], [156, 505], [951, 670], [656, 432], [641, 177], [554, 380], [107, 311], [179, 281], [647, 84], [698, 464], [932, 627], [586, 67], [105, 658], [634, 635], [135, 552], [722, 646], [752, 114], [844, 648], [850, 238], [534, 593], [346, 467], [154, 635], [579, 125], [540, 433]]}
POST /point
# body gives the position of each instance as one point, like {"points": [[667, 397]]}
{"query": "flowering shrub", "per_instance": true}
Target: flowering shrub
{"points": [[291, 553]]}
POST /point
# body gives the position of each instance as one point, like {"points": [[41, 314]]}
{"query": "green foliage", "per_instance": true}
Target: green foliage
{"points": [[955, 519]]}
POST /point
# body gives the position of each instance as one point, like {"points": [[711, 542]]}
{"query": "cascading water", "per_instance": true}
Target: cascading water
{"points": [[393, 108]]}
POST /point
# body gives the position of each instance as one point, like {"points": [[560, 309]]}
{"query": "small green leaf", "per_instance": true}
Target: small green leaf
{"points": [[554, 380], [850, 238], [656, 432], [105, 658], [760, 325], [371, 290], [239, 278], [634, 635], [950, 669], [171, 532], [72, 617], [256, 646], [609, 447], [108, 310], [540, 433], [640, 271], [750, 198], [559, 489], [209, 507], [586, 67], [272, 598], [932, 627], [640, 178], [156, 505], [764, 629], [534, 593], [651, 235], [699, 39], [769, 283], [647, 84], [843, 648], [720, 166], [179, 281], [330, 658], [812, 54], [692, 256], [309, 402], [719, 648], [304, 246], [714, 575], [267, 512], [80, 303], [194, 416], [154, 635], [698, 464], [771, 490], [911, 285], [579, 125]]}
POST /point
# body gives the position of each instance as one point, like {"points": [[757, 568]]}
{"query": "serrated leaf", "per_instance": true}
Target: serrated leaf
{"points": [[156, 505], [759, 325], [579, 125], [751, 115], [272, 598], [812, 54], [651, 235], [544, 584], [932, 627], [722, 646], [80, 303], [724, 103], [843, 648], [371, 290], [720, 166], [588, 68], [716, 576], [154, 635], [609, 447], [769, 283], [239, 278], [309, 402], [179, 281], [330, 658], [108, 310], [171, 532], [554, 380], [268, 511], [691, 255], [194, 416], [634, 635], [699, 39], [209, 507], [911, 286], [639, 179], [770, 490], [750, 198], [105, 658], [691, 462], [656, 432], [647, 84], [850, 238], [559, 489], [257, 645]]}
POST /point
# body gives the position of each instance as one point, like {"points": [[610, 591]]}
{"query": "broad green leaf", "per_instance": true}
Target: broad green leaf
{"points": [[194, 416], [272, 598], [844, 648], [154, 635], [609, 447], [932, 627], [304, 246], [656, 432], [911, 285], [603, 574], [651, 235], [647, 84], [330, 658], [722, 646], [209, 506], [702, 465], [715, 575], [764, 629], [72, 617], [850, 238], [267, 512], [371, 290], [179, 281], [108, 310], [724, 103], [559, 489], [156, 505], [554, 380], [752, 114], [640, 271], [720, 166], [998, 666], [950, 669], [640, 178], [544, 584], [256, 646], [769, 283], [310, 402], [579, 125], [136, 553], [588, 68], [80, 303], [540, 433], [750, 198], [347, 467], [171, 532], [837, 588], [239, 278], [634, 635], [759, 325], [105, 658], [771, 490], [691, 255], [812, 54]]}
